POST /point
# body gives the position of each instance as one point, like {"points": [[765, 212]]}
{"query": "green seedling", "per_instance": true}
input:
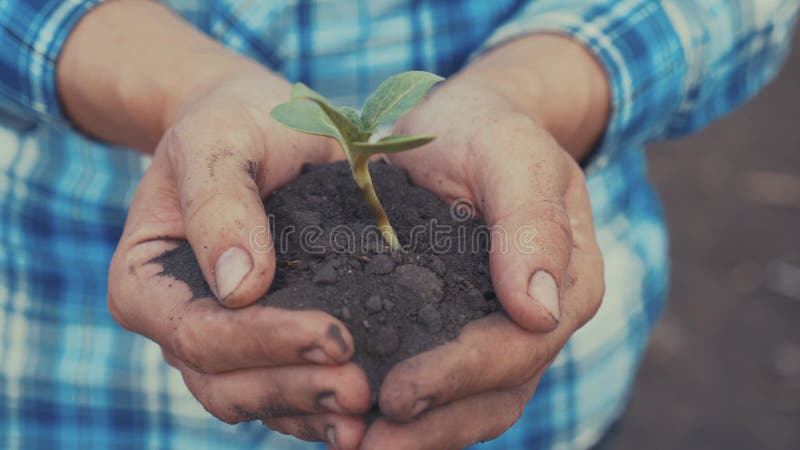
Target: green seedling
{"points": [[309, 112]]}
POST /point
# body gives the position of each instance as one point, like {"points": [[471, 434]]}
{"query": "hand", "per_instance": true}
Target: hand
{"points": [[209, 173], [205, 110], [496, 156]]}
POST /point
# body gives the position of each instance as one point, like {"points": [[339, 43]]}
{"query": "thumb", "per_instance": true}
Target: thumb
{"points": [[223, 214], [531, 235]]}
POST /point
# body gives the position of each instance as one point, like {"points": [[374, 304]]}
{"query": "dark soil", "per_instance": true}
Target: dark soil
{"points": [[330, 257]]}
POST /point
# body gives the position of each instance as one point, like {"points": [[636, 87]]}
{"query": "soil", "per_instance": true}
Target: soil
{"points": [[330, 257]]}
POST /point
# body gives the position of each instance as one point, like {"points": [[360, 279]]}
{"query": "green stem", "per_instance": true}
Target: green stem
{"points": [[359, 165]]}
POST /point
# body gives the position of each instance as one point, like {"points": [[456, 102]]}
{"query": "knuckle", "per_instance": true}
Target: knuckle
{"points": [[494, 429], [595, 292], [120, 290], [459, 379], [113, 309], [178, 136], [300, 428], [596, 298], [186, 346], [279, 425], [199, 206], [518, 403], [514, 408], [116, 312], [219, 409], [554, 214], [169, 358], [391, 396]]}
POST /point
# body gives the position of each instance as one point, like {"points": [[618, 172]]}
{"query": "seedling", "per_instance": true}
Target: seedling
{"points": [[309, 112]]}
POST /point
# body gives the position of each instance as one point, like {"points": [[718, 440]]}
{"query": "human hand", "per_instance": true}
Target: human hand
{"points": [[549, 279], [136, 74], [210, 171]]}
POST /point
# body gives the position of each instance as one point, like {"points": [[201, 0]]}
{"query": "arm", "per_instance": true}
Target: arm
{"points": [[672, 66]]}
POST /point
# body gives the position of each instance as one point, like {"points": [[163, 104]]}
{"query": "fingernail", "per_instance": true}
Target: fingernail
{"points": [[231, 268], [544, 290], [330, 435], [328, 401], [316, 355], [419, 406]]}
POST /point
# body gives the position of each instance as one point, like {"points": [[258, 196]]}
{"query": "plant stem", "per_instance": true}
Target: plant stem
{"points": [[361, 175]]}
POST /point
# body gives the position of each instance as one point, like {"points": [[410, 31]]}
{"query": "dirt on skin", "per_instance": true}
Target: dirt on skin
{"points": [[330, 257]]}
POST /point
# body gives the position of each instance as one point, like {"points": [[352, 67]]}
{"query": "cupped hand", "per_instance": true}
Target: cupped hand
{"points": [[548, 275], [208, 176]]}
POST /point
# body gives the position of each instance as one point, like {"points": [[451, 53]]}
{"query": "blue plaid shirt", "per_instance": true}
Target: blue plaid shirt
{"points": [[70, 377]]}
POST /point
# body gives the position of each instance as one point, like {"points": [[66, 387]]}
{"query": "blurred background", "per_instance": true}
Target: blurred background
{"points": [[723, 368]]}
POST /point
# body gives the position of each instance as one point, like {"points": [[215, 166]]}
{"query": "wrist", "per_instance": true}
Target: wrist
{"points": [[555, 81]]}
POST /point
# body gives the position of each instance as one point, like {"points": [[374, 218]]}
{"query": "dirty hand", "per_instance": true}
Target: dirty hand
{"points": [[549, 278], [218, 153], [208, 176]]}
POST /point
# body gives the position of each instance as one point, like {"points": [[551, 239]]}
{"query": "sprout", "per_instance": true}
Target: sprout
{"points": [[309, 112]]}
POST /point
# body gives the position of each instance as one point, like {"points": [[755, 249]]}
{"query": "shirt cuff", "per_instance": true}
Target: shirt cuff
{"points": [[637, 45], [40, 30]]}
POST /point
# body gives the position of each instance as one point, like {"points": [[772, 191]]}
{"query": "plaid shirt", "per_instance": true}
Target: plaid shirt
{"points": [[70, 377]]}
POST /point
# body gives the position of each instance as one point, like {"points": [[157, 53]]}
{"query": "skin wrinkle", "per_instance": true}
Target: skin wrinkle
{"points": [[264, 344], [550, 215], [203, 204], [243, 414], [178, 346], [264, 153], [250, 168], [215, 158], [277, 411], [298, 427], [306, 432]]}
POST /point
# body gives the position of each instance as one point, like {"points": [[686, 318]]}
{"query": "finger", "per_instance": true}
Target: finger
{"points": [[522, 199], [216, 178], [212, 339], [471, 364], [203, 334], [251, 394], [339, 431], [474, 362], [586, 275], [453, 426]]}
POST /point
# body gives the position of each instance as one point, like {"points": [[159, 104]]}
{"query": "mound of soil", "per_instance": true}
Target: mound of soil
{"points": [[330, 257]]}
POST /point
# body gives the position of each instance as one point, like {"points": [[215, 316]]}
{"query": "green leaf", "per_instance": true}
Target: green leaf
{"points": [[353, 115], [391, 144], [396, 96], [301, 91], [307, 117], [349, 129]]}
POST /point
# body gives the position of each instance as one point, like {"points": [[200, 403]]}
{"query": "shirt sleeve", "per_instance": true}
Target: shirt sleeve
{"points": [[32, 33], [673, 65]]}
